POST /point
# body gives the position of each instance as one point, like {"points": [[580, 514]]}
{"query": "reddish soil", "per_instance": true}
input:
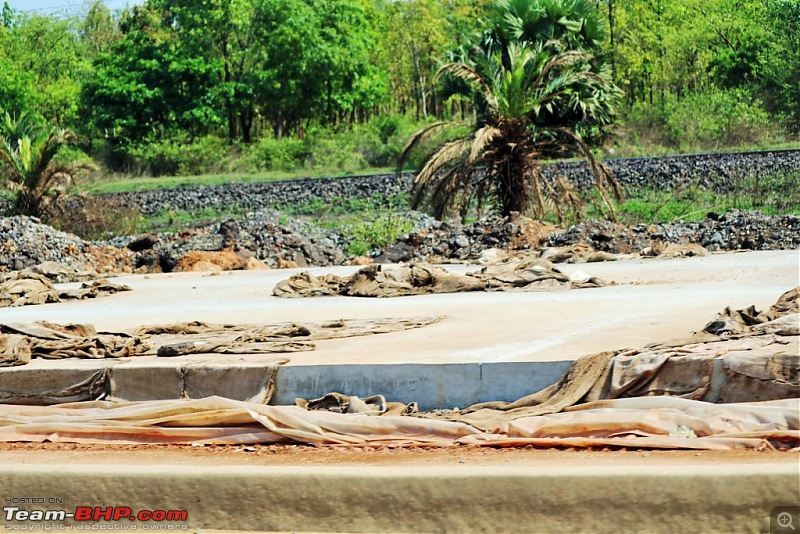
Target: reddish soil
{"points": [[286, 455]]}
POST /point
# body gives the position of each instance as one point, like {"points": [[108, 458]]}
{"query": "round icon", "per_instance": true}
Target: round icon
{"points": [[785, 520]]}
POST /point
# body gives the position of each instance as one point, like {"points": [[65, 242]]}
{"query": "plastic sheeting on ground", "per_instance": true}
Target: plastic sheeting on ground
{"points": [[655, 397], [523, 273], [35, 286], [741, 356], [662, 422], [20, 342]]}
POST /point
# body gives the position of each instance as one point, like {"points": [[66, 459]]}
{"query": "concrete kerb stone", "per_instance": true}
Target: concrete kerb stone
{"points": [[432, 386], [641, 498]]}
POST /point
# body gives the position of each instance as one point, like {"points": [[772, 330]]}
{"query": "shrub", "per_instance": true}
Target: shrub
{"points": [[93, 218], [362, 237], [334, 151], [270, 154], [180, 156], [703, 121]]}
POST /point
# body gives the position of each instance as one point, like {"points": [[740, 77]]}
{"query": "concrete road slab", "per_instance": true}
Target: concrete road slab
{"points": [[653, 300]]}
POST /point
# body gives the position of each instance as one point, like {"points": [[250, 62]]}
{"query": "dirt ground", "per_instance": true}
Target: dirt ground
{"points": [[298, 455]]}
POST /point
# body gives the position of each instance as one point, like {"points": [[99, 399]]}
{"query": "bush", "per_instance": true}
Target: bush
{"points": [[269, 154], [362, 237], [334, 151], [350, 149], [93, 218], [180, 156], [704, 121]]}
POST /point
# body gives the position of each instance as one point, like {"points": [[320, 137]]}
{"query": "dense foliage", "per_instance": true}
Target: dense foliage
{"points": [[190, 86]]}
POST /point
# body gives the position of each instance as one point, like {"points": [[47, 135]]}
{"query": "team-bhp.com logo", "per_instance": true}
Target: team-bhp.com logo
{"points": [[112, 514]]}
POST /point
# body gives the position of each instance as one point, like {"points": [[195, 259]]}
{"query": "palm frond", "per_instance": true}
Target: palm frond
{"points": [[602, 173], [419, 137], [444, 156], [472, 77], [483, 137], [442, 171], [452, 191]]}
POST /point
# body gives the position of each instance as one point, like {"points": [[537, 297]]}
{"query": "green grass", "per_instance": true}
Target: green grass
{"points": [[105, 184], [173, 220], [774, 195], [330, 209], [365, 224], [362, 236]]}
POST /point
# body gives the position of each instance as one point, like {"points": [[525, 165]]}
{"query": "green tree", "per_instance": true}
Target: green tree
{"points": [[49, 52], [518, 86], [221, 33], [575, 24], [778, 85], [342, 63], [566, 25], [28, 166], [414, 36], [286, 86], [16, 88], [146, 86], [314, 62], [98, 29]]}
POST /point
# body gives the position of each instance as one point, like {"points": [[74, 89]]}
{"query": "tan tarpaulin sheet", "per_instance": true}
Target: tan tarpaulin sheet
{"points": [[662, 422], [523, 273], [22, 288], [21, 341], [648, 398], [43, 388], [756, 356]]}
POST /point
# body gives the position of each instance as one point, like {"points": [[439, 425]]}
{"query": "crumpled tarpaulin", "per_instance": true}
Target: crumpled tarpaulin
{"points": [[67, 385], [577, 253], [372, 405], [663, 422], [656, 422], [523, 273], [673, 250], [586, 253], [201, 338], [20, 342], [668, 395], [53, 341], [61, 273], [23, 288], [760, 361]]}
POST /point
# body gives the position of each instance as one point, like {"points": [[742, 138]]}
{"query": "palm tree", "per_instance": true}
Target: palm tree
{"points": [[27, 165], [518, 88], [576, 24]]}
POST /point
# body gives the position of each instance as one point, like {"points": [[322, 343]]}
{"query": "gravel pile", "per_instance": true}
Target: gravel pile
{"points": [[735, 230], [25, 242], [267, 235], [282, 241]]}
